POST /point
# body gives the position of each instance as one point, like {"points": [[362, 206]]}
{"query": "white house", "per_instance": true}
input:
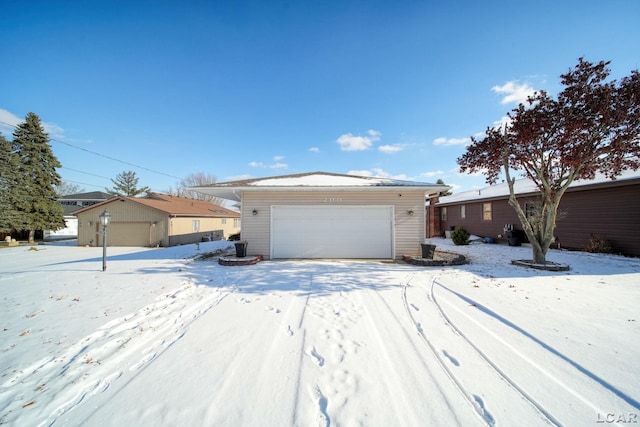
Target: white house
{"points": [[328, 215]]}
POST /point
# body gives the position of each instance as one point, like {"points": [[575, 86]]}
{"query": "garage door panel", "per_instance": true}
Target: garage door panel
{"points": [[332, 232], [128, 234]]}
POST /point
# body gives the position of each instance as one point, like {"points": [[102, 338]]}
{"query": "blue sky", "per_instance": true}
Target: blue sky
{"points": [[242, 89]]}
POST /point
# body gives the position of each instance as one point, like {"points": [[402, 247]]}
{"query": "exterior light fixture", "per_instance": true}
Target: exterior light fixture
{"points": [[105, 218], [254, 212], [410, 212]]}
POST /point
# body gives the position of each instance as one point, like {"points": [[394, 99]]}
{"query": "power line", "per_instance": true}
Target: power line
{"points": [[83, 183], [103, 155], [86, 173]]}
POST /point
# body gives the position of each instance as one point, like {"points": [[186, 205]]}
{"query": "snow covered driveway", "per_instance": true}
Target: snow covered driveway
{"points": [[159, 339]]}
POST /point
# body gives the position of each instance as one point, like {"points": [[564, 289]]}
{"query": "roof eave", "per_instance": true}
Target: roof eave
{"points": [[234, 193]]}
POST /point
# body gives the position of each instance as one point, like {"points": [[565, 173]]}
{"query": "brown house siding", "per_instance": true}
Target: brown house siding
{"points": [[613, 214], [501, 214], [610, 212]]}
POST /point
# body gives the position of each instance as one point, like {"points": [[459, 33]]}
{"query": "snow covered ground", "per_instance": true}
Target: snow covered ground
{"points": [[160, 339]]}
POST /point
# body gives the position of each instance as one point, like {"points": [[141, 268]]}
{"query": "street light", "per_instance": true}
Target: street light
{"points": [[105, 217]]}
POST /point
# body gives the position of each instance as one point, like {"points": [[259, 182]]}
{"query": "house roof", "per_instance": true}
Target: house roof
{"points": [[313, 181], [92, 195], [175, 206], [527, 187]]}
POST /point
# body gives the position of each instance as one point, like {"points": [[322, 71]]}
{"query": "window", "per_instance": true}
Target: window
{"points": [[463, 211], [196, 225], [236, 222], [224, 221], [443, 214], [486, 212]]}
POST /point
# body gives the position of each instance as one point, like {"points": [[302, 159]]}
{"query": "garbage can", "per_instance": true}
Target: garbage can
{"points": [[428, 250], [241, 249]]}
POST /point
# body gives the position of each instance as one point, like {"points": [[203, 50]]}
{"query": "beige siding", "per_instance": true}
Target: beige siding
{"points": [[408, 229], [133, 224], [124, 212], [185, 226]]}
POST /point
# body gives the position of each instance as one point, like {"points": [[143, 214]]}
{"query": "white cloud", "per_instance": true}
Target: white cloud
{"points": [[53, 130], [8, 122], [390, 149], [431, 174], [350, 142], [314, 149], [500, 124], [276, 165], [451, 141], [514, 92]]}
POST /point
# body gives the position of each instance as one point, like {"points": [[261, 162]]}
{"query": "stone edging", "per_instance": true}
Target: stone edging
{"points": [[440, 258], [548, 266], [233, 260]]}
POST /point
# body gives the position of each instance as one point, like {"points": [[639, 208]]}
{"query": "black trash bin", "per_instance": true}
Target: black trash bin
{"points": [[428, 250], [241, 249], [513, 238]]}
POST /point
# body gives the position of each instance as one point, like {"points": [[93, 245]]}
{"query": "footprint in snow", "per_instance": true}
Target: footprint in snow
{"points": [[317, 359], [272, 309], [452, 359]]}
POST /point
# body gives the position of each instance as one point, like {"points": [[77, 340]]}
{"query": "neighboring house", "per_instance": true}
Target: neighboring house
{"points": [[326, 215], [156, 220], [70, 204], [606, 209]]}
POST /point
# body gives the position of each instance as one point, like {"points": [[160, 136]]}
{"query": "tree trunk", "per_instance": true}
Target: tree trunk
{"points": [[32, 236], [539, 254]]}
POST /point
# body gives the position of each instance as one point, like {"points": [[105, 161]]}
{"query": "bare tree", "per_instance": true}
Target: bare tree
{"points": [[66, 188], [198, 179]]}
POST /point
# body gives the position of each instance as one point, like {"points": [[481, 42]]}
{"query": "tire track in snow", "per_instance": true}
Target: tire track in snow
{"points": [[528, 360], [510, 327], [256, 379], [120, 347], [475, 401], [387, 327]]}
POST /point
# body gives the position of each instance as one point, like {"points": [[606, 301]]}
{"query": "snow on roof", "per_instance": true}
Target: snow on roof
{"points": [[321, 179], [526, 186], [313, 180]]}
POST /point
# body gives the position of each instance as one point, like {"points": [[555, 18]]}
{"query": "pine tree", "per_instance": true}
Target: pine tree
{"points": [[126, 185], [9, 187], [37, 205]]}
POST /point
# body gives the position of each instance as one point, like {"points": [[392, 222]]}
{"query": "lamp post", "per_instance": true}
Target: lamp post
{"points": [[105, 217]]}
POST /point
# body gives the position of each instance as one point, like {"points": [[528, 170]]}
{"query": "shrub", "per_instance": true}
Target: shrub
{"points": [[597, 245], [460, 236]]}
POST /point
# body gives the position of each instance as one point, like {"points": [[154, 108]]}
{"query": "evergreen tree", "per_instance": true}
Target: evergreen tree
{"points": [[443, 193], [37, 205], [126, 185], [9, 187]]}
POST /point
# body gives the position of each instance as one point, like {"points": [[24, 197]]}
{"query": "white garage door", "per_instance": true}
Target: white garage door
{"points": [[332, 231]]}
